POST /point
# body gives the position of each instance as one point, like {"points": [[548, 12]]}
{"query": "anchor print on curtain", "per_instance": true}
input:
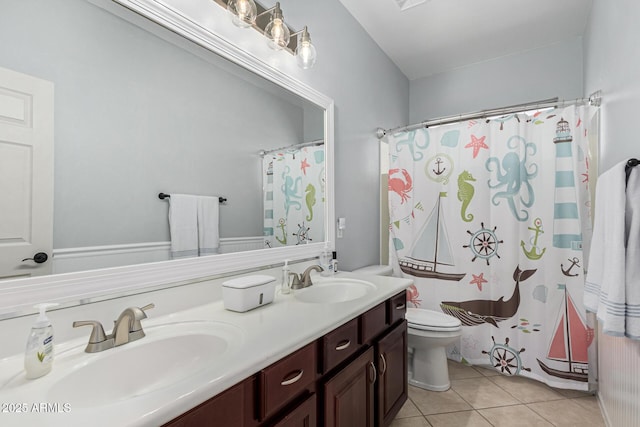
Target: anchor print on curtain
{"points": [[491, 224], [293, 183]]}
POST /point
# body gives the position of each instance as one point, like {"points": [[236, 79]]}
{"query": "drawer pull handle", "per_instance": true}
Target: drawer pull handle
{"points": [[293, 378], [375, 374], [343, 344], [384, 365], [400, 306]]}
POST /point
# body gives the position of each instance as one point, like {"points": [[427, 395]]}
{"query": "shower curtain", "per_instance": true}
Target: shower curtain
{"points": [[293, 183], [491, 220]]}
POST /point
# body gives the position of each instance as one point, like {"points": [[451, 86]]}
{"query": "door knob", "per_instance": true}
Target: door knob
{"points": [[38, 258]]}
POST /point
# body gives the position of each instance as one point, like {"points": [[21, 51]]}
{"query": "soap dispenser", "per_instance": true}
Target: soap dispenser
{"points": [[284, 287], [38, 357], [325, 261]]}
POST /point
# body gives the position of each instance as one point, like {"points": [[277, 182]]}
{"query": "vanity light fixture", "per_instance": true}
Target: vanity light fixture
{"points": [[243, 12], [306, 51], [270, 22], [277, 32]]}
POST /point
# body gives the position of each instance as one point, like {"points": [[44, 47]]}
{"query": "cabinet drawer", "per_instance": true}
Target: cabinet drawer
{"points": [[373, 322], [286, 379], [339, 344], [397, 307]]}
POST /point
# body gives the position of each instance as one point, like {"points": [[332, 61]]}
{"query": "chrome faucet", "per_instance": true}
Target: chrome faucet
{"points": [[304, 280], [126, 329]]}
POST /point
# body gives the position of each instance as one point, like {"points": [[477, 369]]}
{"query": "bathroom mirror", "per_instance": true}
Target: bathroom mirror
{"points": [[142, 108]]}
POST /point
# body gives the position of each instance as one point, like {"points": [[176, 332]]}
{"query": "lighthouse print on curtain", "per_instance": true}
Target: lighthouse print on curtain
{"points": [[490, 218]]}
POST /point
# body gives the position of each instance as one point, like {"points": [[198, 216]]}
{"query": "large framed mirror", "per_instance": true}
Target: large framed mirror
{"points": [[148, 100]]}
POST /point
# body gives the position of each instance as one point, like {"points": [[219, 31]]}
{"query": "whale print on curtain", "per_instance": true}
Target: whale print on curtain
{"points": [[293, 183], [490, 218]]}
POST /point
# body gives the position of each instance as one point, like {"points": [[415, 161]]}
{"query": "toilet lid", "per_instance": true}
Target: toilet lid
{"points": [[431, 320], [378, 270]]}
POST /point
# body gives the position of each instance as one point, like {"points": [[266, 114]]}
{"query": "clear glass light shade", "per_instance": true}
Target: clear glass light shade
{"points": [[243, 12], [278, 34], [306, 54]]}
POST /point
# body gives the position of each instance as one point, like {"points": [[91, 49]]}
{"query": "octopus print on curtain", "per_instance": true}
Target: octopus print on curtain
{"points": [[490, 218], [293, 183]]}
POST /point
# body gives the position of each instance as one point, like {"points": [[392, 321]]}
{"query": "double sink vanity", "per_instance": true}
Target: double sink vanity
{"points": [[332, 354]]}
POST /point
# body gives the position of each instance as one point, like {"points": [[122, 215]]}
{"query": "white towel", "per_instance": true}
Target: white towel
{"points": [[208, 229], [612, 286], [183, 225]]}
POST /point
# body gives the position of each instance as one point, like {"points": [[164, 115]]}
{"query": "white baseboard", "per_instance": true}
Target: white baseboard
{"points": [[95, 257]]}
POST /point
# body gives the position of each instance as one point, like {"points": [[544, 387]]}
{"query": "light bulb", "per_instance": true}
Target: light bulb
{"points": [[243, 12], [277, 32], [305, 52]]}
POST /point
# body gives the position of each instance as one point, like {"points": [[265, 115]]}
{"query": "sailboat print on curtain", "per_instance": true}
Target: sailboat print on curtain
{"points": [[431, 249], [569, 344]]}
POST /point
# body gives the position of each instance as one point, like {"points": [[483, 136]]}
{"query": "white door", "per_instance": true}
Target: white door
{"points": [[26, 175]]}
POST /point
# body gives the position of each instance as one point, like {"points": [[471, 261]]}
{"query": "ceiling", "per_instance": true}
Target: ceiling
{"points": [[432, 36]]}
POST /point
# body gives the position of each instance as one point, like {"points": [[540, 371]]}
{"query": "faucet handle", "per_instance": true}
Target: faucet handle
{"points": [[140, 313], [97, 333]]}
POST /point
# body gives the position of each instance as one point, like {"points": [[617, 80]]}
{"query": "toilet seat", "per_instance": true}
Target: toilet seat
{"points": [[429, 320]]}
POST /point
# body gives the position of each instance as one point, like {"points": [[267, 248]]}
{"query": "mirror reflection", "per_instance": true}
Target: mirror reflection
{"points": [[138, 110]]}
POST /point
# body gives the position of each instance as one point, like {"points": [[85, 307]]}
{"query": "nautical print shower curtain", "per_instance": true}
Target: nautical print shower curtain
{"points": [[293, 183], [491, 220]]}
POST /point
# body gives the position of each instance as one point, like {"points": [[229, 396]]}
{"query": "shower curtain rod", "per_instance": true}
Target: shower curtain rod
{"points": [[594, 99], [289, 147]]}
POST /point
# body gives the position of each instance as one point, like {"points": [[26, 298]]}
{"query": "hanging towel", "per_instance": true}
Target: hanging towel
{"points": [[183, 225], [612, 286], [208, 229]]}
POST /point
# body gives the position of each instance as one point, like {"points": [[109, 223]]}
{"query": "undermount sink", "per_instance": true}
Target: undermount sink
{"points": [[169, 353], [331, 291]]}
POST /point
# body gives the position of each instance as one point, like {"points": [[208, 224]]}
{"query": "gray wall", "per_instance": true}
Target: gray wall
{"points": [[135, 115], [369, 91], [547, 72], [612, 64]]}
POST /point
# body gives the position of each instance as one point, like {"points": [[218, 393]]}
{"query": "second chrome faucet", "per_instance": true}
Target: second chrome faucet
{"points": [[126, 329]]}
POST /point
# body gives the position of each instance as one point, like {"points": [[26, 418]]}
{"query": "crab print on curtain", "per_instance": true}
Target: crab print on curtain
{"points": [[491, 220]]}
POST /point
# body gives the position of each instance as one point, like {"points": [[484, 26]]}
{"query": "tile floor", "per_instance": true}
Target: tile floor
{"points": [[483, 398]]}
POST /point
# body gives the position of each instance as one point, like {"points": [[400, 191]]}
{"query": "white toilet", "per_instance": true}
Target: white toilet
{"points": [[429, 332]]}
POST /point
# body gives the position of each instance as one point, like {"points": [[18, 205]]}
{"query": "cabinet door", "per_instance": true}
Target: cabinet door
{"points": [[349, 395], [231, 408], [303, 416], [392, 373]]}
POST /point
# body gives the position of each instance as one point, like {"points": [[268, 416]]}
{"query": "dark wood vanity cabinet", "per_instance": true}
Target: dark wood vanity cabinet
{"points": [[354, 376], [349, 396], [391, 351]]}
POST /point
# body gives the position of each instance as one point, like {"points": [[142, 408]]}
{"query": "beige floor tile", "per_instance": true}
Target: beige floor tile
{"points": [[458, 419], [409, 409], [526, 390], [566, 413], [570, 394], [511, 416], [437, 402], [459, 371], [487, 372], [592, 408], [482, 393], [410, 422]]}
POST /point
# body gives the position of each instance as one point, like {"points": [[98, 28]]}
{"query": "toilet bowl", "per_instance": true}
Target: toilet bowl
{"points": [[430, 332]]}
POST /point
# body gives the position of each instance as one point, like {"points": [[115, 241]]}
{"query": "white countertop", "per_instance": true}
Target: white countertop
{"points": [[261, 337]]}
